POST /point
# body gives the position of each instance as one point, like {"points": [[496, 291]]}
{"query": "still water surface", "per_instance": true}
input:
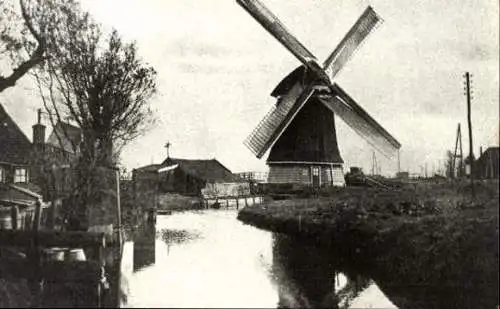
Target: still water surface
{"points": [[210, 259]]}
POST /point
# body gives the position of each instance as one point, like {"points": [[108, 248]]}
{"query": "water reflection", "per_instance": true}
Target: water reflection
{"points": [[226, 266], [144, 247], [170, 236], [210, 259]]}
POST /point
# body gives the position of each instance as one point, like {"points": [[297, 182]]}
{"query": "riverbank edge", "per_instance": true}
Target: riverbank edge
{"points": [[431, 261]]}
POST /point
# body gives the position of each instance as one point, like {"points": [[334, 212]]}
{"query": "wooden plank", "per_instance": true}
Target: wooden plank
{"points": [[54, 239]]}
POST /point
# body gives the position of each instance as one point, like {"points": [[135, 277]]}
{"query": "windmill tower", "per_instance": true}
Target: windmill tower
{"points": [[300, 129]]}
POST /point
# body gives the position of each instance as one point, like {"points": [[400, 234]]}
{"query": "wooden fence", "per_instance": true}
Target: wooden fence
{"points": [[227, 201]]}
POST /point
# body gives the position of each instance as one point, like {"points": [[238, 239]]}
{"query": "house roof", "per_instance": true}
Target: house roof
{"points": [[15, 146], [70, 135], [19, 194], [208, 170]]}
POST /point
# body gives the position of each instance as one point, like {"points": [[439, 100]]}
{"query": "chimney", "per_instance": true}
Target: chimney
{"points": [[39, 130]]}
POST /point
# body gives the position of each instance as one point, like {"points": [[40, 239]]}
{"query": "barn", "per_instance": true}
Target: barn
{"points": [[187, 177], [487, 165]]}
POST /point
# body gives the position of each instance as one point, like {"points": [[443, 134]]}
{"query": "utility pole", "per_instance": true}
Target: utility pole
{"points": [[471, 151]]}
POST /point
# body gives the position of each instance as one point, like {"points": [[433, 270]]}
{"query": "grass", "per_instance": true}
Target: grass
{"points": [[430, 245]]}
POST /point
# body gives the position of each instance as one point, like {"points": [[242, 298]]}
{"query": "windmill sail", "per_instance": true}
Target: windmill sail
{"points": [[277, 120], [272, 24], [366, 23], [360, 121]]}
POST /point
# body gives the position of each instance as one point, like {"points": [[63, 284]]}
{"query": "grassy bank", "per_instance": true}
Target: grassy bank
{"points": [[431, 245]]}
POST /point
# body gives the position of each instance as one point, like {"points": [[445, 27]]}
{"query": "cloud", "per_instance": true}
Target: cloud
{"points": [[189, 47], [478, 52]]}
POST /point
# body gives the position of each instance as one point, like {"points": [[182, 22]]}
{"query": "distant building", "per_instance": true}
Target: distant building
{"points": [[188, 177], [66, 137], [487, 165], [403, 175]]}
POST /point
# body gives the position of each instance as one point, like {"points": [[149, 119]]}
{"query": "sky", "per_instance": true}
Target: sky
{"points": [[217, 66]]}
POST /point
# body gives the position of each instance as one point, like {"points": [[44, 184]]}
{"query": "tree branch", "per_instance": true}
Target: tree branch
{"points": [[36, 57]]}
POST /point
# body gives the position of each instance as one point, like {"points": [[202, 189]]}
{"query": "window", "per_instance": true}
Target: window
{"points": [[2, 175], [315, 171], [21, 175]]}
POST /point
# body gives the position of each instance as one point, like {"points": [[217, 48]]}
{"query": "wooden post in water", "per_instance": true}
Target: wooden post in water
{"points": [[237, 203]]}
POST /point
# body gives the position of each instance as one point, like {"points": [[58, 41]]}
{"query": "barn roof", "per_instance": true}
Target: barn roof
{"points": [[152, 168], [15, 146], [208, 170], [19, 194]]}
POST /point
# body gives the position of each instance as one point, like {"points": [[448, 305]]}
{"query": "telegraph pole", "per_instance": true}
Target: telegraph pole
{"points": [[471, 151]]}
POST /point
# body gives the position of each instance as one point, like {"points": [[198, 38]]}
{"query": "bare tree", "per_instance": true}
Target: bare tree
{"points": [[448, 165], [99, 82], [22, 39]]}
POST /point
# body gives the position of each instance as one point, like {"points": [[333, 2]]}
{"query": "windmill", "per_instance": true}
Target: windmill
{"points": [[300, 128]]}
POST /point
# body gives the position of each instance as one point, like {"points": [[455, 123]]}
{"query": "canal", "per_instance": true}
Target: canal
{"points": [[210, 259]]}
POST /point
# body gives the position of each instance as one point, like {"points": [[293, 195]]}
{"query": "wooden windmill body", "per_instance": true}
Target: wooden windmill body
{"points": [[300, 129]]}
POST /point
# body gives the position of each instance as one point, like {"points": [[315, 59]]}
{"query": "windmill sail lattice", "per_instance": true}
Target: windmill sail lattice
{"points": [[274, 122], [365, 24], [273, 25], [361, 122]]}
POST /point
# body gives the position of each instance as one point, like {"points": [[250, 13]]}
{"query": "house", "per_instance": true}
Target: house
{"points": [[66, 137], [21, 182], [15, 149], [189, 177], [487, 165]]}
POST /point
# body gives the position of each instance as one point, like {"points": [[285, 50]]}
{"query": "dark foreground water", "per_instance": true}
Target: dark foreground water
{"points": [[210, 259]]}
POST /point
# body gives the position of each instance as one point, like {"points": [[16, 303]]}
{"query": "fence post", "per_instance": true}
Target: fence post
{"points": [[51, 222], [38, 216], [36, 284], [14, 213]]}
